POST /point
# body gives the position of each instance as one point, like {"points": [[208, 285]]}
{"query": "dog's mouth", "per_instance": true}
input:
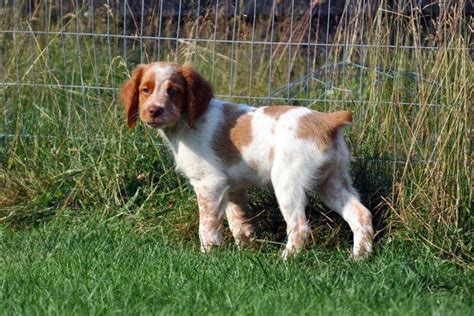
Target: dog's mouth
{"points": [[154, 124], [160, 124], [164, 120]]}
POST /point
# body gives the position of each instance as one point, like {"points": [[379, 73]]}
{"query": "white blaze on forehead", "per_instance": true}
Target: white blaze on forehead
{"points": [[163, 70], [162, 73]]}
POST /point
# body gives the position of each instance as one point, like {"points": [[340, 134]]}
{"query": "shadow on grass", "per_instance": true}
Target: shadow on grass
{"points": [[372, 179]]}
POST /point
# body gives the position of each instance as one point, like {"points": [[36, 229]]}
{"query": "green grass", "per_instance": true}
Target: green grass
{"points": [[100, 268], [96, 220]]}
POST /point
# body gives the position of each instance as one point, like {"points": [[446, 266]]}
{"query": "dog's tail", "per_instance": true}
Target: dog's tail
{"points": [[339, 119]]}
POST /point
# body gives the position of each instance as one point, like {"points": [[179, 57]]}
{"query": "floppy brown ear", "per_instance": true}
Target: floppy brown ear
{"points": [[198, 94], [130, 93]]}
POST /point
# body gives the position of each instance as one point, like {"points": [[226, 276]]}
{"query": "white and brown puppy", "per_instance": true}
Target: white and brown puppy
{"points": [[225, 148]]}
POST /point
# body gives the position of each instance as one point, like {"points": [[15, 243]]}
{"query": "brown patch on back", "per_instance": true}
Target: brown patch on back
{"points": [[276, 111], [322, 127], [233, 135]]}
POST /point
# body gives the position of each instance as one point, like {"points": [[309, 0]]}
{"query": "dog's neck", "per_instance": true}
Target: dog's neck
{"points": [[174, 134], [181, 134]]}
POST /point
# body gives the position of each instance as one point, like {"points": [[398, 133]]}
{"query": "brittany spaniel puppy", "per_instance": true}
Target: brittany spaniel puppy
{"points": [[225, 148]]}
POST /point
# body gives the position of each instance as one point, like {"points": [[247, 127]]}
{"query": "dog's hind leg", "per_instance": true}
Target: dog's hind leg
{"points": [[291, 196], [338, 194]]}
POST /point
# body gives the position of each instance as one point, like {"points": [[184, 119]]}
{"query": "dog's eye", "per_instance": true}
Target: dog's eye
{"points": [[172, 92], [146, 90]]}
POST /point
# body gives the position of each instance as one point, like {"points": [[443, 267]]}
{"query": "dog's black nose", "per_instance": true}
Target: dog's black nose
{"points": [[156, 111]]}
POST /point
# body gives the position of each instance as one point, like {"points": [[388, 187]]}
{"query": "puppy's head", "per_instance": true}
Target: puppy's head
{"points": [[162, 93]]}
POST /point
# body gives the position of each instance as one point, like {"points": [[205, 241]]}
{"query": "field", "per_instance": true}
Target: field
{"points": [[94, 219], [92, 268]]}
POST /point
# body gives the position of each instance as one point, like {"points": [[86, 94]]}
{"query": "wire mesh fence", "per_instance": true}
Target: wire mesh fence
{"points": [[62, 62]]}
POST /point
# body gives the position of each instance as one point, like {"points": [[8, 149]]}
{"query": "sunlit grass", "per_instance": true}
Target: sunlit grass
{"points": [[104, 268]]}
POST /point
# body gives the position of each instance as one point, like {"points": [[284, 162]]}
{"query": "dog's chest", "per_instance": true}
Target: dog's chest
{"points": [[195, 160]]}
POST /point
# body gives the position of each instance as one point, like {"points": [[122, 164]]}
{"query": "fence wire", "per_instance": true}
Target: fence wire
{"points": [[65, 60]]}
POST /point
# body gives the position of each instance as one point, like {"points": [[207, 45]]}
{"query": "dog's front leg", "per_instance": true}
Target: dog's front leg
{"points": [[211, 217], [237, 212]]}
